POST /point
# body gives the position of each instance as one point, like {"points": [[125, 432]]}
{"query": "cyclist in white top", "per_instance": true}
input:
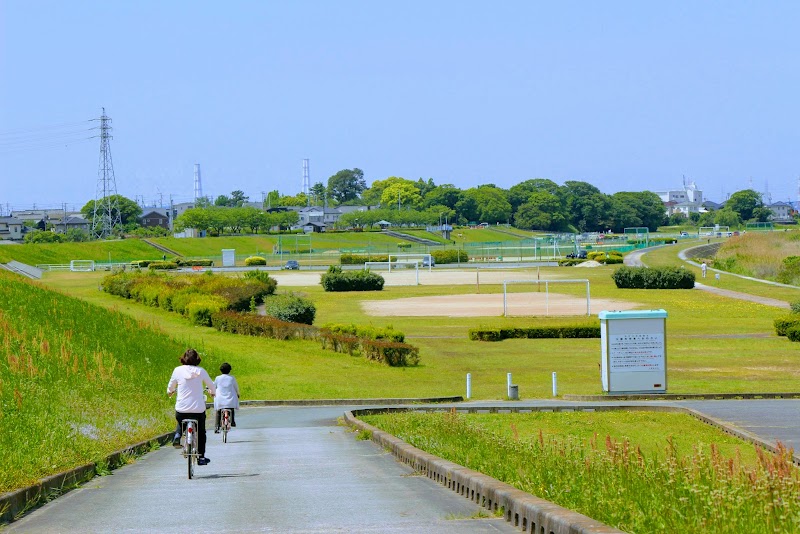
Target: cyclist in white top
{"points": [[188, 380], [227, 394]]}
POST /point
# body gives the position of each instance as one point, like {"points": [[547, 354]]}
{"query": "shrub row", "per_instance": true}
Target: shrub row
{"points": [[535, 332], [653, 278], [361, 259], [392, 353], [337, 280], [179, 262], [610, 257], [196, 297], [258, 325], [369, 332]]}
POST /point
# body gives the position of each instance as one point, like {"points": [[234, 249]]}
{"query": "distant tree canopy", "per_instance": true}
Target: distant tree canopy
{"points": [[744, 203], [129, 210], [346, 185]]}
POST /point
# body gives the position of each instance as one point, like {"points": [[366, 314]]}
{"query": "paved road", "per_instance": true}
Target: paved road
{"points": [[283, 470]]}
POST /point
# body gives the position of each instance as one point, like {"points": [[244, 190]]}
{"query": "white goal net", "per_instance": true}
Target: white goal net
{"points": [[537, 299], [81, 265]]}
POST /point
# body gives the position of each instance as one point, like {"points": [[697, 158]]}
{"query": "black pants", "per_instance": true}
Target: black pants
{"points": [[201, 428], [219, 418]]}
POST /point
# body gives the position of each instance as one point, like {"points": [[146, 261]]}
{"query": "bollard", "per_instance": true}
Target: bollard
{"points": [[513, 392], [469, 385], [555, 385], [508, 384]]}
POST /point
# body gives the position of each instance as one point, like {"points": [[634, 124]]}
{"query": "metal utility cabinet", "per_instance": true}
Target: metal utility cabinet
{"points": [[634, 351]]}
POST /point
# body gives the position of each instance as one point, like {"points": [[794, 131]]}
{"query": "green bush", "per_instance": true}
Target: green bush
{"points": [[569, 262], [255, 260], [653, 278], [580, 331], [789, 271], [337, 280], [162, 265], [200, 310], [795, 306], [338, 342], [449, 256], [793, 334], [291, 309], [783, 323], [193, 263], [390, 352]]}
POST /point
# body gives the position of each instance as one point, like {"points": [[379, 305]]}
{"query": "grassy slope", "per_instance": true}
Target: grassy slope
{"points": [[62, 253]]}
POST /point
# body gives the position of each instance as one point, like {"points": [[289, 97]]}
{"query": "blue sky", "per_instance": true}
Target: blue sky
{"points": [[624, 95]]}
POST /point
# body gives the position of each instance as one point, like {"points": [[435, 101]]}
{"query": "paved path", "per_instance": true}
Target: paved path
{"points": [[290, 469], [283, 470]]}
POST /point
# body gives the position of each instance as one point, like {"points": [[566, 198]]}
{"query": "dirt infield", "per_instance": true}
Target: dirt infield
{"points": [[491, 305], [407, 277]]}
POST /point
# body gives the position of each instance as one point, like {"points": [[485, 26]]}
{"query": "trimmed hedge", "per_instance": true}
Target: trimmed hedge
{"points": [[259, 325], [450, 256], [785, 323], [653, 278], [337, 280], [361, 259], [255, 260], [536, 332], [162, 265], [390, 352], [290, 308]]}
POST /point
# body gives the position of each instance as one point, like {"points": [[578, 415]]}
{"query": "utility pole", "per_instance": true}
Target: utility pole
{"points": [[106, 214]]}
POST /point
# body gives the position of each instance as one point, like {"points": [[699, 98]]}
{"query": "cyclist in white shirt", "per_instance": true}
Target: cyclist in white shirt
{"points": [[227, 394], [188, 379]]}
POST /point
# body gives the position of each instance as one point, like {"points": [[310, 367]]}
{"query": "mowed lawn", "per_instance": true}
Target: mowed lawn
{"points": [[714, 344]]}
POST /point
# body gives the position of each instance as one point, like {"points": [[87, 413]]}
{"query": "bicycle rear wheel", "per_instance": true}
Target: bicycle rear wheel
{"points": [[226, 425], [191, 447]]}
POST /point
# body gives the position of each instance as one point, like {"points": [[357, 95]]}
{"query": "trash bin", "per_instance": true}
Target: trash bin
{"points": [[513, 392]]}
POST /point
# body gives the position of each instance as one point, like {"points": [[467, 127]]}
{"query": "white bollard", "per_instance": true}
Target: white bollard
{"points": [[469, 385], [508, 385], [555, 385]]}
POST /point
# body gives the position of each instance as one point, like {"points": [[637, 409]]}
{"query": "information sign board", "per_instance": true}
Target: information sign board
{"points": [[633, 351]]}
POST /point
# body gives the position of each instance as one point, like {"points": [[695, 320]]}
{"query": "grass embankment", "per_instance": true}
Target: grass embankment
{"points": [[121, 251], [758, 254], [76, 381], [621, 468]]}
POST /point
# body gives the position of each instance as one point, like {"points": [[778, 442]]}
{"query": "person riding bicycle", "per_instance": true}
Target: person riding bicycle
{"points": [[188, 379], [227, 394]]}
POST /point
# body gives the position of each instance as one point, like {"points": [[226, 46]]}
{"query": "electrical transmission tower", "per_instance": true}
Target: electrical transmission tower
{"points": [[306, 181], [106, 205]]}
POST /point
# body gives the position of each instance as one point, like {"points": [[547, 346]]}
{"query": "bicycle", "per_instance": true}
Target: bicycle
{"points": [[225, 423], [190, 443]]}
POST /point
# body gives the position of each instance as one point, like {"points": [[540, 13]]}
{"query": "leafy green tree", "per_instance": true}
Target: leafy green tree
{"points": [[520, 193], [443, 195], [589, 209], [425, 187], [678, 219], [647, 207], [300, 199], [492, 203], [744, 202], [129, 211], [43, 236], [222, 201], [318, 192], [402, 193], [346, 185], [542, 211], [727, 217], [762, 214]]}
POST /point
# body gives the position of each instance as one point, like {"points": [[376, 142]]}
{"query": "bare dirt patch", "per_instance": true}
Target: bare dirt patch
{"points": [[491, 305]]}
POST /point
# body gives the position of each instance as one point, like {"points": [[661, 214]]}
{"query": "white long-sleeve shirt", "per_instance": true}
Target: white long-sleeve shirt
{"points": [[227, 392], [189, 380]]}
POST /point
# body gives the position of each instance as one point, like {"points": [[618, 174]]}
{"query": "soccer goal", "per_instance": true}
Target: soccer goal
{"points": [[425, 259], [715, 230], [760, 226], [638, 232], [85, 266], [521, 303]]}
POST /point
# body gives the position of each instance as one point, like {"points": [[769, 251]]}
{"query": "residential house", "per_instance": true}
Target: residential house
{"points": [[10, 228], [70, 222], [781, 212], [155, 217]]}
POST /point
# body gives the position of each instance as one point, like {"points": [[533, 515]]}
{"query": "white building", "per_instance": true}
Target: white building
{"points": [[686, 200]]}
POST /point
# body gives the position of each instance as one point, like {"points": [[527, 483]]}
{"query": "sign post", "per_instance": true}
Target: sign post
{"points": [[633, 351]]}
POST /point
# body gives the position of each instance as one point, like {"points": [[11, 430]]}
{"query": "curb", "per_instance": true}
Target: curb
{"points": [[17, 502], [523, 510], [347, 402]]}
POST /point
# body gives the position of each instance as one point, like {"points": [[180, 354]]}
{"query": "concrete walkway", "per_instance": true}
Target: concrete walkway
{"points": [[284, 469]]}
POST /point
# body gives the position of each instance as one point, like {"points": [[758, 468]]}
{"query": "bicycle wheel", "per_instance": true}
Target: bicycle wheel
{"points": [[191, 447], [226, 424]]}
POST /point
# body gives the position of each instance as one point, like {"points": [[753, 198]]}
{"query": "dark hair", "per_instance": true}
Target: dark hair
{"points": [[225, 368], [190, 357]]}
